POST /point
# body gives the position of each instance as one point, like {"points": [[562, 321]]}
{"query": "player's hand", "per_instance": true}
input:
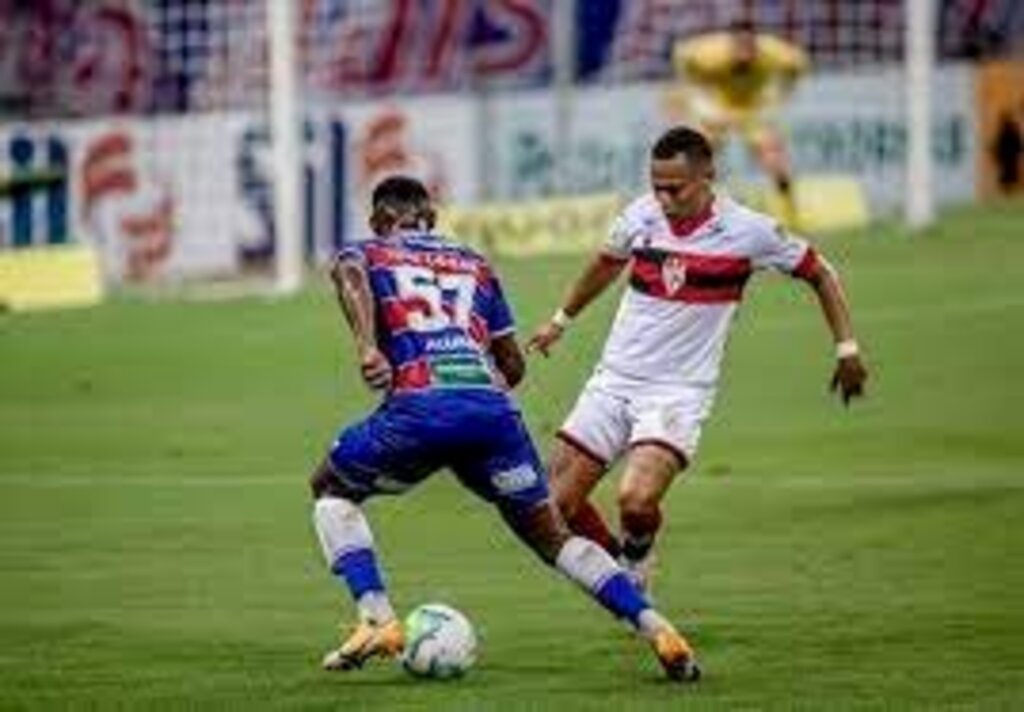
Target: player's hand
{"points": [[849, 378], [376, 370], [544, 338]]}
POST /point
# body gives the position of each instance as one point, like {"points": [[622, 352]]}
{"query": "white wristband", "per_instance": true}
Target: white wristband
{"points": [[847, 348], [561, 319]]}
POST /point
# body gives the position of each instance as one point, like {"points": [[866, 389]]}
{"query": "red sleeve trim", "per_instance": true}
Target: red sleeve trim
{"points": [[807, 266]]}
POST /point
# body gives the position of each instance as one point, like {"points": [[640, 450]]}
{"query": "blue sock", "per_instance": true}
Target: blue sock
{"points": [[621, 596], [358, 569]]}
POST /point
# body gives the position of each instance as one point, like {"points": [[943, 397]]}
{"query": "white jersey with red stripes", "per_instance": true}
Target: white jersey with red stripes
{"points": [[686, 281]]}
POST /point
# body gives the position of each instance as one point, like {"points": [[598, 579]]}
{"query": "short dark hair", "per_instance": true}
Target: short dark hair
{"points": [[399, 190], [401, 199], [682, 140]]}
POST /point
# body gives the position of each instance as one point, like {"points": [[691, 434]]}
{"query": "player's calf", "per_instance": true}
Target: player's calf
{"points": [[588, 522]]}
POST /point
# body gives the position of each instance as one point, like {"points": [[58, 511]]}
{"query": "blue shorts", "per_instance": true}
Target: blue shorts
{"points": [[477, 433]]}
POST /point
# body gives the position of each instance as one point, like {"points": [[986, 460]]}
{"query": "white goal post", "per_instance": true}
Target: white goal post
{"points": [[286, 157], [919, 61]]}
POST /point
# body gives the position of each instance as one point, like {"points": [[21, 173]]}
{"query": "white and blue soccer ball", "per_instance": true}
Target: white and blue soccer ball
{"points": [[439, 642]]}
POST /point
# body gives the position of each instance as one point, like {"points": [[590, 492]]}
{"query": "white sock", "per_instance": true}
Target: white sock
{"points": [[586, 563], [375, 607], [652, 622], [342, 528]]}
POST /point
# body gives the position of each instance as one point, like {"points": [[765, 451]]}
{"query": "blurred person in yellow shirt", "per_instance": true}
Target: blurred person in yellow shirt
{"points": [[734, 82]]}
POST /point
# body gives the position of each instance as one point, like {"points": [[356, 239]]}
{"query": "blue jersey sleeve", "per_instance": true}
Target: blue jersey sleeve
{"points": [[497, 312], [352, 251]]}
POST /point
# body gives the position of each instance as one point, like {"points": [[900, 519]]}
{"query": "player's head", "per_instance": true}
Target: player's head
{"points": [[401, 203], [744, 43], [682, 168]]}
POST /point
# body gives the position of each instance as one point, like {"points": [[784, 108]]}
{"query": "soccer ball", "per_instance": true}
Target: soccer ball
{"points": [[439, 642]]}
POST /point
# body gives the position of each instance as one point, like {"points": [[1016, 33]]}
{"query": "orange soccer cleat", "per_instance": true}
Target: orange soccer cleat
{"points": [[368, 640], [676, 656]]}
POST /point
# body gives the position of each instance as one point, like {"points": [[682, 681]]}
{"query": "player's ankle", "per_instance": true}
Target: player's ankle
{"points": [[375, 608], [636, 548], [650, 623]]}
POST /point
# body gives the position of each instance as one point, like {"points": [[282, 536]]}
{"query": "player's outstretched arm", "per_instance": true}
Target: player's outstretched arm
{"points": [[850, 373], [601, 272], [353, 289]]}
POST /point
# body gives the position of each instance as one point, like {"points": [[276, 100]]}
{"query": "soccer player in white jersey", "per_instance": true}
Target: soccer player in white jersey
{"points": [[689, 254]]}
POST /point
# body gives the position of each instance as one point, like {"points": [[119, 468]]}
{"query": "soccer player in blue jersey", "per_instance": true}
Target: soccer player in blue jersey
{"points": [[434, 334]]}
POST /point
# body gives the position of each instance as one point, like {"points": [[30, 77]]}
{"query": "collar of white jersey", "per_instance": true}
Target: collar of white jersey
{"points": [[691, 224]]}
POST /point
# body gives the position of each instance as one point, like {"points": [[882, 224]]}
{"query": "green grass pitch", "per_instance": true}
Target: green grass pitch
{"points": [[156, 550]]}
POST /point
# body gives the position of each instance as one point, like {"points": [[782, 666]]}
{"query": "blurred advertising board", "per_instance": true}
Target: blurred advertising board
{"points": [[849, 123], [532, 227], [853, 123], [191, 196]]}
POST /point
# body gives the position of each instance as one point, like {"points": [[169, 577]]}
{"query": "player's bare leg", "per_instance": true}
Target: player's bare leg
{"points": [[594, 570], [348, 548], [574, 474], [770, 151], [650, 470]]}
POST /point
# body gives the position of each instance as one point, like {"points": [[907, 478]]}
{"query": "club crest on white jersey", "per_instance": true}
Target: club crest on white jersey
{"points": [[673, 273]]}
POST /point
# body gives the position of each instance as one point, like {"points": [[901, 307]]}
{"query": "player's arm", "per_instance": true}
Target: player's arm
{"points": [[352, 286], [784, 57], [850, 374], [508, 358], [788, 63], [503, 347], [602, 270]]}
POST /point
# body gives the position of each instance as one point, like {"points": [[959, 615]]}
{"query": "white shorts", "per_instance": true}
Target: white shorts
{"points": [[614, 414]]}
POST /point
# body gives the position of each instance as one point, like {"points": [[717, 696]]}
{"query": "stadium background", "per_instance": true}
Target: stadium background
{"points": [[155, 550], [150, 119]]}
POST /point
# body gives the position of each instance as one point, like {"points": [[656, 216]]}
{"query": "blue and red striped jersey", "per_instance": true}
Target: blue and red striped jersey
{"points": [[439, 305]]}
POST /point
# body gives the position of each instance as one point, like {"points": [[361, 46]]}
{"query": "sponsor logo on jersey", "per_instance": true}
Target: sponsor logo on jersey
{"points": [[446, 344], [459, 371], [517, 479]]}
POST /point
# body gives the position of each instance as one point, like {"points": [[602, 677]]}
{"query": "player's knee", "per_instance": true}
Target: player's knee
{"points": [[324, 483], [318, 483]]}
